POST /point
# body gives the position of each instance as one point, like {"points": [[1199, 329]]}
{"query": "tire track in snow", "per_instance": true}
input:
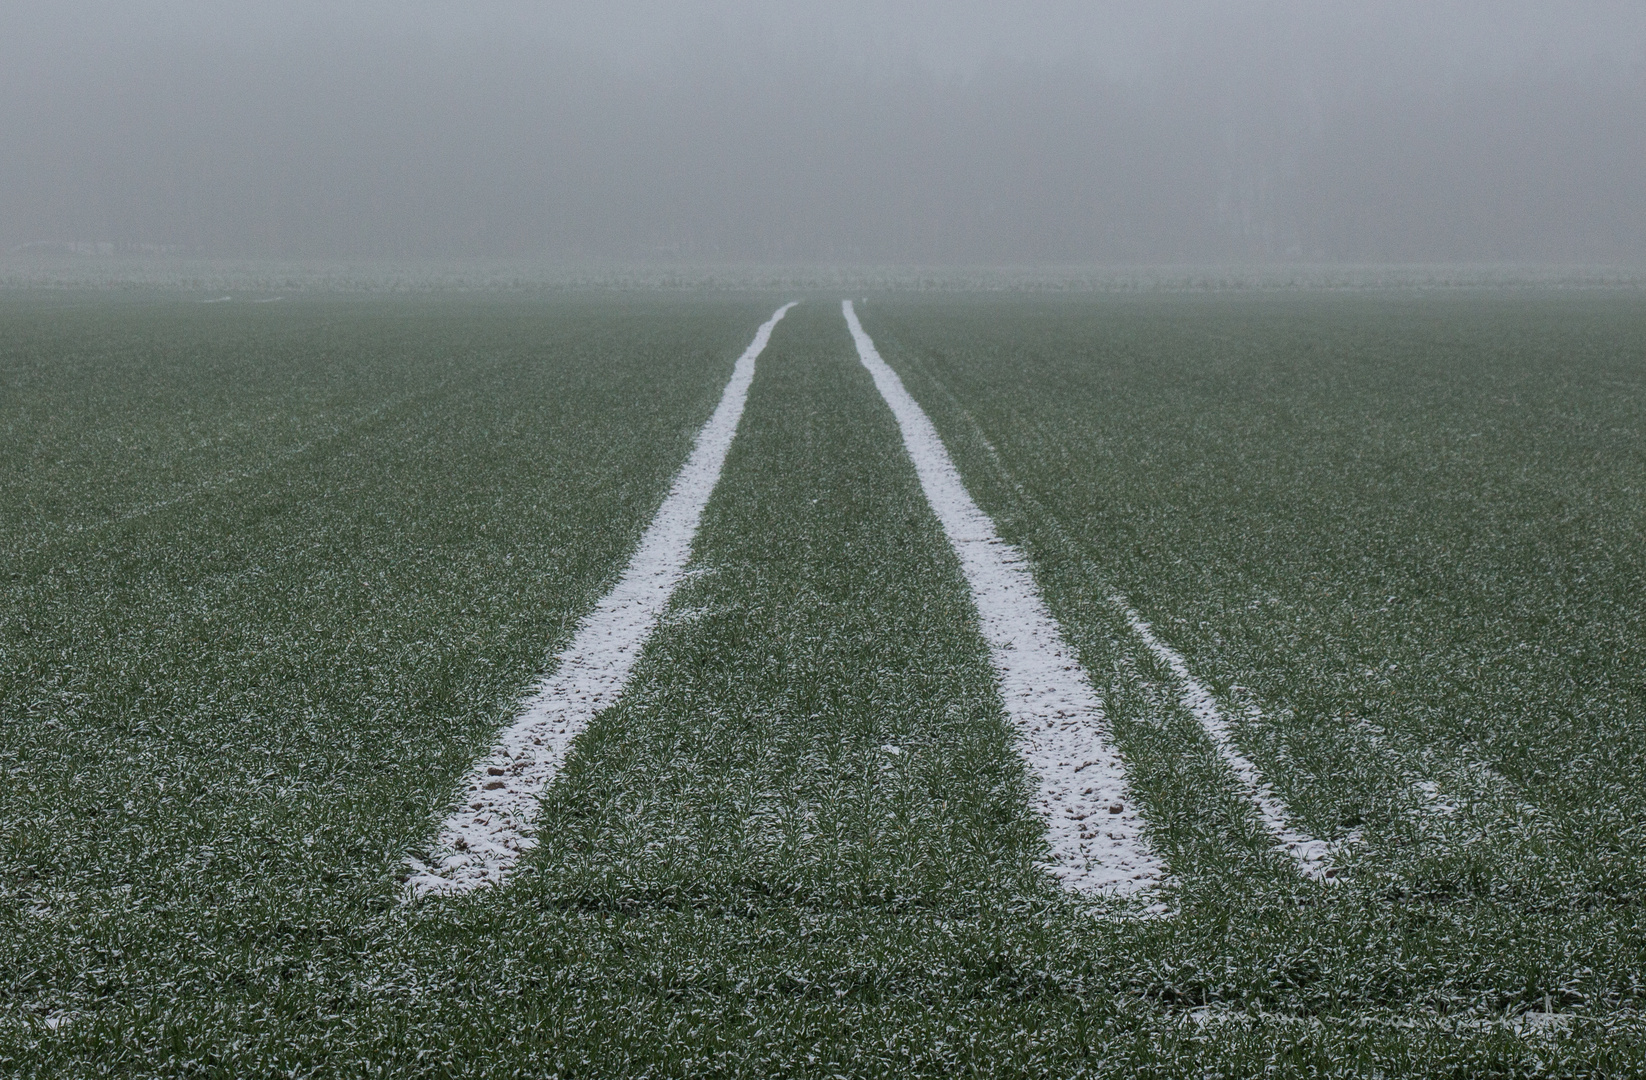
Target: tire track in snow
{"points": [[483, 839], [1312, 855], [1094, 832]]}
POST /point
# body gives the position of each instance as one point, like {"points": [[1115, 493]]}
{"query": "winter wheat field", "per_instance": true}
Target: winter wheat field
{"points": [[672, 684]]}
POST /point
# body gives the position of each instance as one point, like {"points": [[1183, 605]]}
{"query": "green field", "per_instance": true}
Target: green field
{"points": [[276, 575]]}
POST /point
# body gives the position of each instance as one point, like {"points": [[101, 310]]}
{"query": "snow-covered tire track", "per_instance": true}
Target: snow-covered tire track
{"points": [[1093, 829], [1312, 855], [483, 839]]}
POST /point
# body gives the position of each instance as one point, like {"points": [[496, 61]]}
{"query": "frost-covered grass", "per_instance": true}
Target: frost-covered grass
{"points": [[1404, 540], [801, 844], [234, 692]]}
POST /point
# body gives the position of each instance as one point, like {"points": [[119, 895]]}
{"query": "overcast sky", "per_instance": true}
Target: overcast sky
{"points": [[908, 133]]}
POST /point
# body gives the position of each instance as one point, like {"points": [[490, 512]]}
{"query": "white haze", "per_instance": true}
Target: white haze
{"points": [[908, 133]]}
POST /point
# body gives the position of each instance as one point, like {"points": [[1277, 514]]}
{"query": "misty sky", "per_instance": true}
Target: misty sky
{"points": [[849, 132]]}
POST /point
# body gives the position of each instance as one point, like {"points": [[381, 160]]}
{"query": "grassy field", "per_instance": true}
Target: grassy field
{"points": [[277, 574]]}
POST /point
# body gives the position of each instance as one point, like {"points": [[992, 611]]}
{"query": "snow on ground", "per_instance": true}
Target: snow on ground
{"points": [[1093, 829], [1312, 855], [483, 839]]}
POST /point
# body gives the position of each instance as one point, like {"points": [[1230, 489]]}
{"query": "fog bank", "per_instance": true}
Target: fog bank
{"points": [[902, 134]]}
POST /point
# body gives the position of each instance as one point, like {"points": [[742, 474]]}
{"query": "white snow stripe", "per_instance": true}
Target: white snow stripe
{"points": [[1093, 829], [1311, 854], [482, 840]]}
